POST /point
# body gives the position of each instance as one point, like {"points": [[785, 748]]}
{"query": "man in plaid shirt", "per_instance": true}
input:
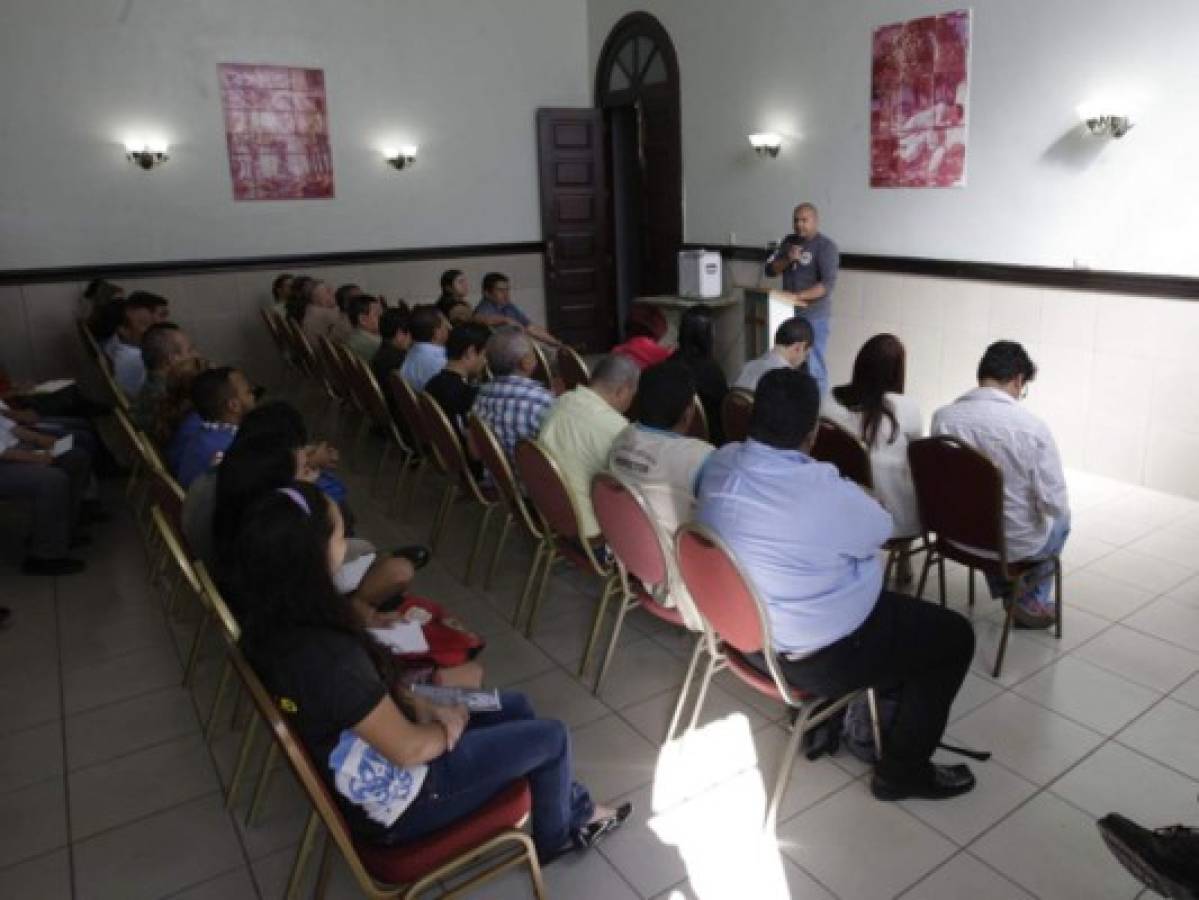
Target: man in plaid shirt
{"points": [[512, 404]]}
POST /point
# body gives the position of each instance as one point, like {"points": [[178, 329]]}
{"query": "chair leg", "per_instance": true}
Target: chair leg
{"points": [[551, 556], [217, 700], [418, 475], [785, 765], [322, 874], [443, 514], [311, 830], [890, 567], [876, 731], [243, 760], [480, 534], [709, 671], [193, 655], [265, 775], [495, 554], [530, 580], [1057, 598], [1007, 630], [700, 643], [971, 577], [626, 603], [928, 561], [941, 577]]}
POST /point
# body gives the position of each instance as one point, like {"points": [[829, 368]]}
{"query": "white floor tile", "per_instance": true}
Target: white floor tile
{"points": [[1169, 620], [45, 877], [557, 695], [964, 818], [1172, 544], [1117, 779], [1087, 694], [1140, 658], [1055, 852], [611, 758], [1032, 741], [1188, 693], [652, 717], [640, 669], [861, 848], [1145, 572], [965, 876], [1024, 654], [974, 692], [1102, 596], [1169, 733]]}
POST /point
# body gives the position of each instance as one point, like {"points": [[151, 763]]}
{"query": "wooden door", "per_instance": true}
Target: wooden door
{"points": [[662, 187], [574, 222]]}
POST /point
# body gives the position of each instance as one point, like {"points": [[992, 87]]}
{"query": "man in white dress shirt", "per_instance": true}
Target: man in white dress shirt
{"points": [[1036, 507], [792, 344]]}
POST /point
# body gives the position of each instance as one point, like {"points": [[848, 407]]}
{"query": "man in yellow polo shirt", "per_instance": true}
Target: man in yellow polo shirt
{"points": [[582, 424]]}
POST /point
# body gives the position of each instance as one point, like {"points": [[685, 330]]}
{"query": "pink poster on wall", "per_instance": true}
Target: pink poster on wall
{"points": [[277, 128], [918, 102]]}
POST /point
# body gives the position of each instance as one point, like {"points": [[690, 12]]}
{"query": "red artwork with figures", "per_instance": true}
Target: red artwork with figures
{"points": [[277, 128], [918, 102]]}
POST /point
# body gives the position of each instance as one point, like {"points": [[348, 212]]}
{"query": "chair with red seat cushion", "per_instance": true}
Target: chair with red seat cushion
{"points": [[735, 411], [734, 613], [837, 446], [562, 536], [642, 552], [959, 492], [451, 458], [488, 839]]}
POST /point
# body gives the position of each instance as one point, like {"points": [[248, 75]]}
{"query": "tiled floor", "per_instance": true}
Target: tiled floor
{"points": [[107, 789]]}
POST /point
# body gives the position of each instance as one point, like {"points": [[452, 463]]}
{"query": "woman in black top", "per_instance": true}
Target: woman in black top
{"points": [[399, 768], [695, 352], [452, 302]]}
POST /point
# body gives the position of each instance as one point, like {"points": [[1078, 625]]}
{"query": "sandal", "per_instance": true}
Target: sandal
{"points": [[594, 832]]}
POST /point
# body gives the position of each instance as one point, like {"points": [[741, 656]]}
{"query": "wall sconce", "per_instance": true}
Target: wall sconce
{"points": [[146, 156], [1101, 125], [766, 143], [402, 158]]}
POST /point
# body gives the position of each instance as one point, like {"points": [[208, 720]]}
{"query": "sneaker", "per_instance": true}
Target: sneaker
{"points": [[1034, 618], [1165, 860], [591, 834], [61, 565]]}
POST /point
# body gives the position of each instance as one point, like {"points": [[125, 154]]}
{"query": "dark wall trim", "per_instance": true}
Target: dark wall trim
{"points": [[1142, 284], [277, 263]]}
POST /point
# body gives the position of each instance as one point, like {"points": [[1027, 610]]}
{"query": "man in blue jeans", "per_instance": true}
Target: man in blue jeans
{"points": [[808, 262], [1036, 503]]}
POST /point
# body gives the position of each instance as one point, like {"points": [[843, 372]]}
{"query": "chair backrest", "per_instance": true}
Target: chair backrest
{"points": [[172, 539], [167, 495], [134, 442], [447, 446], [541, 372], [495, 461], [547, 490], [630, 529], [216, 603], [959, 492], [837, 446], [699, 421], [572, 368], [271, 320], [409, 408], [370, 395], [735, 411], [334, 369], [725, 597], [303, 350]]}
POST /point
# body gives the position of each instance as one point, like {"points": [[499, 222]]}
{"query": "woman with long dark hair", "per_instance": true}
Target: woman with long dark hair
{"points": [[452, 302], [399, 768], [874, 407], [696, 340]]}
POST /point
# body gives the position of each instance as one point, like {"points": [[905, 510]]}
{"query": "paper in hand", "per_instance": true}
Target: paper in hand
{"points": [[62, 445], [402, 637]]}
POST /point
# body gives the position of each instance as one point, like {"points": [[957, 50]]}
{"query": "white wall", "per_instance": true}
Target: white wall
{"points": [[460, 77], [1038, 191]]}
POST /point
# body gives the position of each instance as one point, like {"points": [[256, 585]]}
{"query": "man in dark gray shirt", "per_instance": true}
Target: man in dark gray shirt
{"points": [[808, 262]]}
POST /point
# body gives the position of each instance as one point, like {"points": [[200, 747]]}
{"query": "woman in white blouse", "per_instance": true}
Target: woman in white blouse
{"points": [[873, 407]]}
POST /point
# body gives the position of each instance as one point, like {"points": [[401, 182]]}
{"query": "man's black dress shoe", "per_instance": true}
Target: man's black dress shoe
{"points": [[941, 783], [416, 554]]}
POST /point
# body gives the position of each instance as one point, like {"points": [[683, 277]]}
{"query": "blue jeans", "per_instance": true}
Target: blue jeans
{"points": [[495, 750], [1036, 598], [817, 361]]}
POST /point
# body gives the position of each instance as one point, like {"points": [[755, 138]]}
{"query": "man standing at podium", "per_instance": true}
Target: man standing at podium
{"points": [[808, 262]]}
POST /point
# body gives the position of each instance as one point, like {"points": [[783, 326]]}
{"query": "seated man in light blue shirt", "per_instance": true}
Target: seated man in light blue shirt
{"points": [[124, 348], [426, 357], [496, 308], [809, 541]]}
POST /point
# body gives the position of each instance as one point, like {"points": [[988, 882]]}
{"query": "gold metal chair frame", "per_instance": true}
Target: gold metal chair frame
{"points": [[805, 719]]}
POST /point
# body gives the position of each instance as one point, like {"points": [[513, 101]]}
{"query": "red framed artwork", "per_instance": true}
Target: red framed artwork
{"points": [[277, 129], [919, 101]]}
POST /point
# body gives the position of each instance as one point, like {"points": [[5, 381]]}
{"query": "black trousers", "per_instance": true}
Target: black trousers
{"points": [[915, 648]]}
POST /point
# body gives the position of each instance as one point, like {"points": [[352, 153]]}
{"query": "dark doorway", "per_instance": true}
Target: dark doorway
{"points": [[637, 87]]}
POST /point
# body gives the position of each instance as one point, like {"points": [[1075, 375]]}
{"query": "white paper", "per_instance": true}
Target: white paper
{"points": [[53, 387], [402, 637], [62, 445]]}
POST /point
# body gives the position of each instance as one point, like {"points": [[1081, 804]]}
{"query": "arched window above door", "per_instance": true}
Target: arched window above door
{"points": [[638, 58]]}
